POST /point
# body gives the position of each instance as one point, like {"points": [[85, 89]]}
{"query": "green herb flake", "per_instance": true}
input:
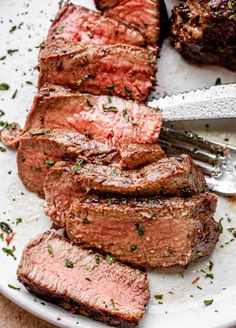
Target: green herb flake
{"points": [[109, 89], [85, 221], [109, 108], [11, 51], [97, 259], [13, 28], [1, 236], [29, 82], [3, 57], [13, 287], [158, 296], [49, 162], [89, 104], [230, 5], [209, 275], [134, 248], [2, 149], [9, 252], [151, 201], [18, 221], [78, 165], [109, 99], [5, 227], [69, 264], [1, 113], [39, 132], [59, 30], [135, 123], [211, 264], [52, 226], [4, 86], [140, 229], [50, 250], [14, 94], [127, 89], [232, 17], [110, 259], [125, 115], [221, 228], [208, 302]]}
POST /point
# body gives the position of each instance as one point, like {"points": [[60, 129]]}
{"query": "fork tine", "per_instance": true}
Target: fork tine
{"points": [[193, 138], [183, 148]]}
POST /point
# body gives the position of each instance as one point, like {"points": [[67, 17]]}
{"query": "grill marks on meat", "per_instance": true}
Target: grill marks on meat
{"points": [[162, 232], [204, 32], [143, 15], [80, 24], [170, 176], [122, 70], [115, 294], [42, 148]]}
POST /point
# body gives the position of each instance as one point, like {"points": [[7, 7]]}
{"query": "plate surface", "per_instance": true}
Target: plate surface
{"points": [[182, 300]]}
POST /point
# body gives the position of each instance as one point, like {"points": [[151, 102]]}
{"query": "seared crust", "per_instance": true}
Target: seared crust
{"points": [[66, 287]]}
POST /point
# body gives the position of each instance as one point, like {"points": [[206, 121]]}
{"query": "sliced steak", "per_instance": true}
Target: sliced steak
{"points": [[168, 176], [83, 281], [137, 155], [143, 15], [110, 120], [42, 148], [162, 232], [121, 70], [80, 24], [205, 31], [10, 134]]}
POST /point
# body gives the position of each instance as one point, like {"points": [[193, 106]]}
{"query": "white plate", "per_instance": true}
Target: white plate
{"points": [[175, 75]]}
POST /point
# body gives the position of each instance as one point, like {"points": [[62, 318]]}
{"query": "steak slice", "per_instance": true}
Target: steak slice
{"points": [[205, 31], [121, 70], [83, 281], [143, 15], [168, 176], [80, 24], [162, 232], [41, 148]]}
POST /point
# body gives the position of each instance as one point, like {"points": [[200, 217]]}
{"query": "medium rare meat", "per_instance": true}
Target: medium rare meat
{"points": [[205, 31], [110, 120], [83, 281], [168, 176], [143, 15], [162, 232], [94, 116], [80, 24], [121, 70], [42, 148]]}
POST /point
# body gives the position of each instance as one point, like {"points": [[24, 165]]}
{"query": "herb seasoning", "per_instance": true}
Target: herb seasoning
{"points": [[69, 264], [140, 229], [110, 259]]}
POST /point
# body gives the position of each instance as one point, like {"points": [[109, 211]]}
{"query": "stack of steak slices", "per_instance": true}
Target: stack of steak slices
{"points": [[89, 146]]}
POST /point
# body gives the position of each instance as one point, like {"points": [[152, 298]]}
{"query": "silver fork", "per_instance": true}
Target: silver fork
{"points": [[218, 161]]}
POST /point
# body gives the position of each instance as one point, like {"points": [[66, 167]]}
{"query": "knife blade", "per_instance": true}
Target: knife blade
{"points": [[213, 103]]}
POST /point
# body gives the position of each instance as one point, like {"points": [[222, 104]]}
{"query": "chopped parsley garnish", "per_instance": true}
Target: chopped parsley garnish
{"points": [[9, 251], [1, 113], [221, 229], [2, 149], [109, 99], [135, 123], [49, 162], [110, 259], [14, 94], [158, 296], [50, 250], [97, 259], [125, 115], [151, 201], [199, 253], [1, 236], [208, 302], [109, 108], [13, 287], [11, 51], [127, 89], [59, 30], [78, 166], [3, 57], [18, 220], [4, 86], [211, 264], [140, 229], [89, 104], [39, 132], [29, 82], [5, 227], [134, 248], [13, 28], [69, 264], [85, 221], [52, 226], [209, 275]]}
